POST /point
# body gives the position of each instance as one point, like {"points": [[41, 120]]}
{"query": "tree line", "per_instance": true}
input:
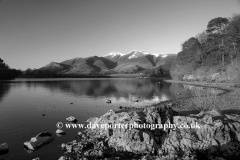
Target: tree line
{"points": [[6, 73], [216, 47], [45, 73]]}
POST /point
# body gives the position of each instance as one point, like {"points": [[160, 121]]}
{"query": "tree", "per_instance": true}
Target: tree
{"points": [[233, 35], [3, 65], [190, 50], [202, 37], [216, 24]]}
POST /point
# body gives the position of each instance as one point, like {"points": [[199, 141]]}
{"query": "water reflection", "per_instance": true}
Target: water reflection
{"points": [[4, 90], [115, 89], [26, 100]]}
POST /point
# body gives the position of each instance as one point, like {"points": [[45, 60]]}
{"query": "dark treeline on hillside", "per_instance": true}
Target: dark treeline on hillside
{"points": [[6, 73], [162, 71], [38, 73], [215, 50]]}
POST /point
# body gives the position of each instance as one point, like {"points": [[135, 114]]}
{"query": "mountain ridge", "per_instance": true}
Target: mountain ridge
{"points": [[114, 62]]}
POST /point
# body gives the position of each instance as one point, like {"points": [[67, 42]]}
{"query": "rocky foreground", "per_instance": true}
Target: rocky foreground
{"points": [[217, 138]]}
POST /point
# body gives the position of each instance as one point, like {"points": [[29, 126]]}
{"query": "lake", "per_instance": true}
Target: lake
{"points": [[23, 101]]}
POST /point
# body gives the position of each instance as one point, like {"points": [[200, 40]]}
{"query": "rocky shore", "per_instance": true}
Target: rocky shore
{"points": [[216, 136]]}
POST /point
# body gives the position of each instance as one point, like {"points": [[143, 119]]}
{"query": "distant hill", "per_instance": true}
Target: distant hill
{"points": [[89, 65], [115, 62], [54, 66]]}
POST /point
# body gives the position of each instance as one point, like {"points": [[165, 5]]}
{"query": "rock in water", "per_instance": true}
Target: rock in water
{"points": [[71, 119], [62, 158], [61, 132], [38, 141], [108, 101], [63, 146], [4, 148]]}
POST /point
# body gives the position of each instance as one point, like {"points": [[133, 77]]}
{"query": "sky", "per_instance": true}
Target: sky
{"points": [[34, 33]]}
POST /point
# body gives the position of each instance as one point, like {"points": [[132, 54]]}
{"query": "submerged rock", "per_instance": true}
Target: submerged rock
{"points": [[108, 101], [38, 141], [4, 148], [158, 133], [71, 119], [59, 131]]}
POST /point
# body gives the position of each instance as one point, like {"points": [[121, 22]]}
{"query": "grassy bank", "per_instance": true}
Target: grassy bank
{"points": [[228, 103], [205, 84]]}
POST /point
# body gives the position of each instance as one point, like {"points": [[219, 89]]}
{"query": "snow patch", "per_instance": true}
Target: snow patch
{"points": [[164, 56], [137, 54], [113, 54]]}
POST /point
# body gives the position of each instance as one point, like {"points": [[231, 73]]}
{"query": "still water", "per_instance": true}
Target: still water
{"points": [[23, 101]]}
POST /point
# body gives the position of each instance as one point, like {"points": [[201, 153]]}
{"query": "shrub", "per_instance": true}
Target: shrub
{"points": [[208, 99]]}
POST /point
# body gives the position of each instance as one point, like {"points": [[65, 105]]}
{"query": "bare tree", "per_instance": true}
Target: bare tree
{"points": [[234, 46]]}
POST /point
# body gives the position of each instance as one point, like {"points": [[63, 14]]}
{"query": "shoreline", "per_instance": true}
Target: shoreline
{"points": [[223, 86], [226, 102], [144, 143], [157, 143]]}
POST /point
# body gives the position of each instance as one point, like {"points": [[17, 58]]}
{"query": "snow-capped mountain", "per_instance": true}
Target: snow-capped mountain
{"points": [[114, 62], [134, 54], [113, 54], [135, 61]]}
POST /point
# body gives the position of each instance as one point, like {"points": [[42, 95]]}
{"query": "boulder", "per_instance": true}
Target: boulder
{"points": [[61, 132], [38, 141], [108, 101], [205, 135], [62, 158], [4, 148]]}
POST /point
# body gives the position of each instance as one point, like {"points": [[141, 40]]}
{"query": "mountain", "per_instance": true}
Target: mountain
{"points": [[114, 62], [89, 65], [54, 66], [136, 61]]}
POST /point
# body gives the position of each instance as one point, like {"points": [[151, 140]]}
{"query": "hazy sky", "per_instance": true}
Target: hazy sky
{"points": [[34, 33]]}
